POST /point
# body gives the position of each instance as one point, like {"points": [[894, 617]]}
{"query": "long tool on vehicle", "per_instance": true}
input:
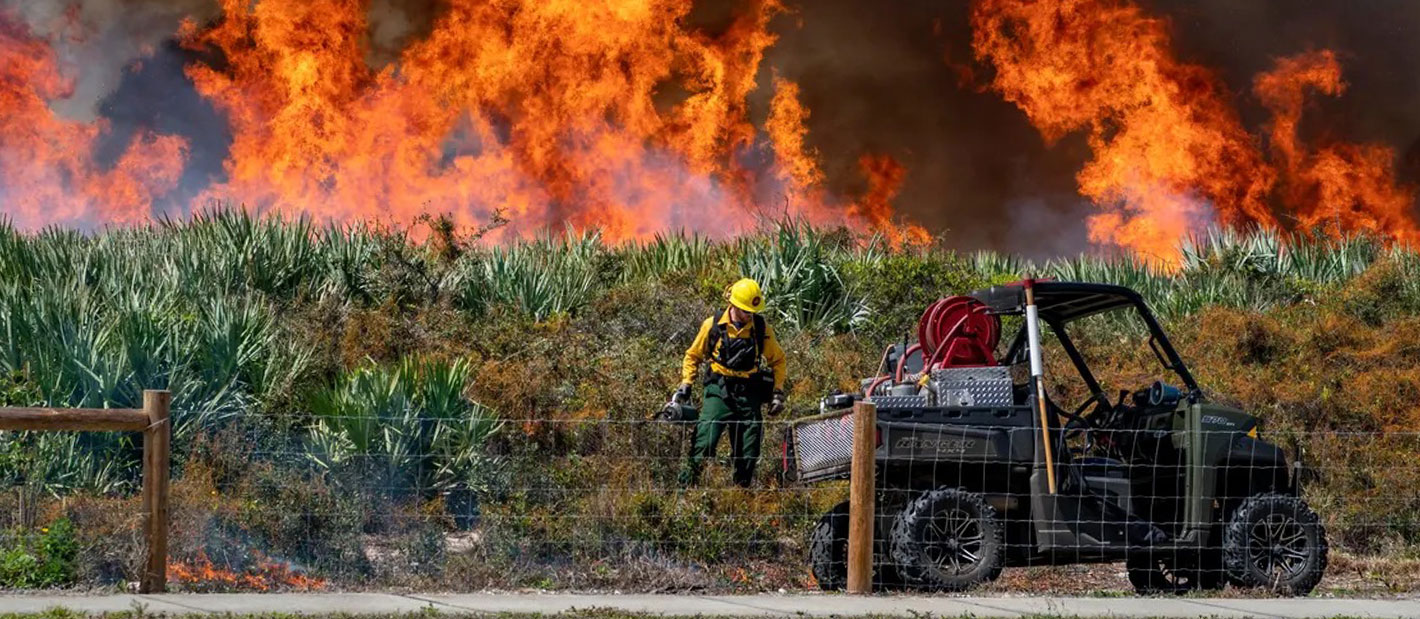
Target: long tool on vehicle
{"points": [[1037, 372]]}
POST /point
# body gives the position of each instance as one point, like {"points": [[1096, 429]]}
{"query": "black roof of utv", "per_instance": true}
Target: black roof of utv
{"points": [[1058, 301]]}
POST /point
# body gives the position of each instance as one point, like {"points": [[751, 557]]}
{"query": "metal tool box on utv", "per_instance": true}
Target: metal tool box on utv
{"points": [[974, 475]]}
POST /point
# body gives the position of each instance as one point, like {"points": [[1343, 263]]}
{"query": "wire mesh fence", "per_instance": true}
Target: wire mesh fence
{"points": [[598, 503]]}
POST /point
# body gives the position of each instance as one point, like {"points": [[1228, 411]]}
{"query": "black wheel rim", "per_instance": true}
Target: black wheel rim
{"points": [[1279, 548], [953, 541]]}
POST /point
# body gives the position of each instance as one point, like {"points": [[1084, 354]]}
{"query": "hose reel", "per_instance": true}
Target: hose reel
{"points": [[958, 331]]}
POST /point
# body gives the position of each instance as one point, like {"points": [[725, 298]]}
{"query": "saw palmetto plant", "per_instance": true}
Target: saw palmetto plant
{"points": [[410, 425]]}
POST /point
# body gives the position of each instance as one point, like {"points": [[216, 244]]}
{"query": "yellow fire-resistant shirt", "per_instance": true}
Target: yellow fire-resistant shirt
{"points": [[696, 354]]}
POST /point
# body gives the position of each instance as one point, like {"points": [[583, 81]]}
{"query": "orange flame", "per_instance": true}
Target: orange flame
{"points": [[46, 173], [885, 176], [608, 114], [617, 115], [1339, 188], [798, 167], [265, 575], [1169, 153]]}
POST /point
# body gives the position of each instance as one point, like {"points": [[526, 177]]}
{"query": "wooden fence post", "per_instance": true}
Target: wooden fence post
{"points": [[861, 487], [157, 455]]}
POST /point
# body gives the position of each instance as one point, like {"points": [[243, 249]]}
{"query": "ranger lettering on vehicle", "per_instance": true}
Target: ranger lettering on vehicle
{"points": [[936, 445]]}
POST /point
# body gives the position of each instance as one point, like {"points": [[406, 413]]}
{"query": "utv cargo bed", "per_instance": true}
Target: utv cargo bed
{"points": [[959, 415], [821, 447]]}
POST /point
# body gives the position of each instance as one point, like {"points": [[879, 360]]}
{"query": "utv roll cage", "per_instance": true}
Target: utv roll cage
{"points": [[1060, 303]]}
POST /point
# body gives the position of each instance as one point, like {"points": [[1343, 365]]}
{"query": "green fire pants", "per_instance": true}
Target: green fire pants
{"points": [[724, 412]]}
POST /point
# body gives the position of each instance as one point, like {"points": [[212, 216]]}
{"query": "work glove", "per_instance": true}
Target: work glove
{"points": [[681, 395], [776, 405]]}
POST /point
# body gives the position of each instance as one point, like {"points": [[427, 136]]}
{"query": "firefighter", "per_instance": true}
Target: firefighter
{"points": [[737, 343]]}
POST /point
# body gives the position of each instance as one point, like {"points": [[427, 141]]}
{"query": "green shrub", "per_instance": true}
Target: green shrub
{"points": [[540, 278], [666, 256], [245, 317], [410, 424], [57, 463], [80, 346], [804, 289], [39, 559], [898, 288]]}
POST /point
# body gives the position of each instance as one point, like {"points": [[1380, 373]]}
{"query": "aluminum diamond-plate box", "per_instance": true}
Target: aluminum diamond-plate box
{"points": [[823, 445], [983, 386]]}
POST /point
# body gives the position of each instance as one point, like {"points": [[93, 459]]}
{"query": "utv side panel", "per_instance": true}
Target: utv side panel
{"points": [[1074, 526], [1244, 465], [924, 441], [928, 442], [1221, 469]]}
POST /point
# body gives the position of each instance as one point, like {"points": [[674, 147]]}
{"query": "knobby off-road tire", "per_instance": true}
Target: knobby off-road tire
{"points": [[1277, 542], [828, 552], [828, 549], [949, 540], [1166, 571]]}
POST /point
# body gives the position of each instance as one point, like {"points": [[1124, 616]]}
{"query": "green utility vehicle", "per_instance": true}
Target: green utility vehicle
{"points": [[978, 469]]}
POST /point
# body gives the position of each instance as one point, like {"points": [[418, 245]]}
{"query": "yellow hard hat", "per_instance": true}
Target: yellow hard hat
{"points": [[745, 295]]}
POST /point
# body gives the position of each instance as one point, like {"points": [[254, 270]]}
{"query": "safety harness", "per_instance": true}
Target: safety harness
{"points": [[740, 355], [730, 355]]}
